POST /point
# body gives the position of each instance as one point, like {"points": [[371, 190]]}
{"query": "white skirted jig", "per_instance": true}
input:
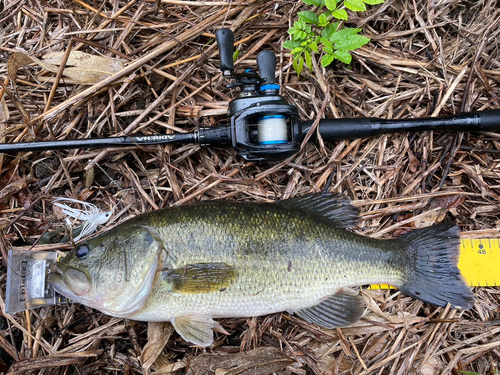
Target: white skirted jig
{"points": [[90, 215]]}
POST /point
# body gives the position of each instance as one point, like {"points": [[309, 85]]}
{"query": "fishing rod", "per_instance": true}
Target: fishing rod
{"points": [[263, 126]]}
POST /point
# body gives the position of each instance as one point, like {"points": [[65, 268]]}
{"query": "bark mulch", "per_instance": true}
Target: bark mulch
{"points": [[425, 58]]}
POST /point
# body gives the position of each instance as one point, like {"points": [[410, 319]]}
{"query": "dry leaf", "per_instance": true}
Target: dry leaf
{"points": [[158, 335], [15, 186], [4, 117], [85, 68], [16, 61], [84, 60], [4, 113], [89, 177], [167, 368], [414, 163], [3, 223], [432, 366], [81, 67], [58, 213], [448, 202], [430, 218], [85, 194]]}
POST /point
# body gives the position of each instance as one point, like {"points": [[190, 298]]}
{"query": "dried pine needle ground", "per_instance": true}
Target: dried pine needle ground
{"points": [[426, 58]]}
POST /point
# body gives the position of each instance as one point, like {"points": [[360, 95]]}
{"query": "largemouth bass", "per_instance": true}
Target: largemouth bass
{"points": [[193, 263]]}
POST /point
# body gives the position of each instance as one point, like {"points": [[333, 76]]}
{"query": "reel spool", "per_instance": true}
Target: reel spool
{"points": [[272, 130]]}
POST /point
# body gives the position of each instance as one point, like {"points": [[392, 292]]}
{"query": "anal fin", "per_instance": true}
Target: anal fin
{"points": [[339, 310], [197, 329]]}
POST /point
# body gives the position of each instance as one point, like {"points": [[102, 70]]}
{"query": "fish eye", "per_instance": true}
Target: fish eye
{"points": [[82, 251]]}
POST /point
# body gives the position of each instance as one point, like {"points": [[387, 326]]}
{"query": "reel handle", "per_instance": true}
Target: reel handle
{"points": [[225, 43], [266, 61]]}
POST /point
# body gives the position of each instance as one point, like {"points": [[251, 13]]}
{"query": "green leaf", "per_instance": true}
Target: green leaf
{"points": [[312, 2], [326, 42], [343, 56], [314, 47], [300, 24], [292, 30], [373, 2], [343, 34], [291, 44], [308, 60], [301, 35], [326, 60], [329, 30], [297, 50], [331, 4], [323, 20], [308, 17], [351, 42], [355, 5], [328, 50], [340, 14], [298, 64]]}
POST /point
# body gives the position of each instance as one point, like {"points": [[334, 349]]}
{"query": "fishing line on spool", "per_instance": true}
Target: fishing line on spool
{"points": [[272, 129]]}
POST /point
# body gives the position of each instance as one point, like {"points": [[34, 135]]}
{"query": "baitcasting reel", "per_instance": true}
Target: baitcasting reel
{"points": [[264, 127]]}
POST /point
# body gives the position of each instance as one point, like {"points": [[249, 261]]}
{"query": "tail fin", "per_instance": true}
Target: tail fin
{"points": [[433, 275]]}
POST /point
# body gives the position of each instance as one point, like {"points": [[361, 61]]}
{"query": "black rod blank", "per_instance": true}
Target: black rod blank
{"points": [[123, 141]]}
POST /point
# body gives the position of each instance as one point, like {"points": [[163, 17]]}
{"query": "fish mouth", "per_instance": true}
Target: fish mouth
{"points": [[58, 278], [55, 269], [55, 279]]}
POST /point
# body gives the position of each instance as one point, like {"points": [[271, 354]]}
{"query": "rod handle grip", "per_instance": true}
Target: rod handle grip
{"points": [[490, 120], [225, 42], [266, 61]]}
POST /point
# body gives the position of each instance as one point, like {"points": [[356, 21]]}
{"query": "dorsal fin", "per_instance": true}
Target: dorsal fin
{"points": [[335, 207]]}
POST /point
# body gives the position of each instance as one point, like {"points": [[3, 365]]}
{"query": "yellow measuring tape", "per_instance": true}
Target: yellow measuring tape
{"points": [[479, 262]]}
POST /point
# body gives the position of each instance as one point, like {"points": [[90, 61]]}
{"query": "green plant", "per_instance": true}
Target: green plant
{"points": [[324, 31]]}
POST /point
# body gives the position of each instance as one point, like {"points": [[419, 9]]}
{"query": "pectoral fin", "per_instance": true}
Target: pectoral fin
{"points": [[197, 329], [200, 277], [343, 308]]}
